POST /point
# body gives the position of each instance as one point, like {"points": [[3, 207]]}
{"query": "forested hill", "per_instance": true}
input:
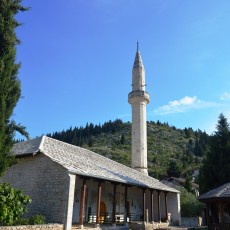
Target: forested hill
{"points": [[171, 151]]}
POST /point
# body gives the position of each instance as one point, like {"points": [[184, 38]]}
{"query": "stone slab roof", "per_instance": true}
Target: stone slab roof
{"points": [[84, 162], [221, 192]]}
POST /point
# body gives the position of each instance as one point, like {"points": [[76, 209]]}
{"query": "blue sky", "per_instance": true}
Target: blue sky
{"points": [[77, 59]]}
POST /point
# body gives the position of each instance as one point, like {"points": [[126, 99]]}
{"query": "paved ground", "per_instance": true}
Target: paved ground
{"points": [[186, 228], [92, 227]]}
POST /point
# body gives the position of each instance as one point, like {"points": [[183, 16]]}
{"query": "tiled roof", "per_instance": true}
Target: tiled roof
{"points": [[221, 192], [27, 147], [84, 162]]}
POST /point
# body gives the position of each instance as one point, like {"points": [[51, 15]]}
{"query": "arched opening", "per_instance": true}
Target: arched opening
{"points": [[102, 212]]}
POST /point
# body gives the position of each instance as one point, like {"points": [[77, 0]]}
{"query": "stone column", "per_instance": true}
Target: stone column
{"points": [[82, 204], [69, 214]]}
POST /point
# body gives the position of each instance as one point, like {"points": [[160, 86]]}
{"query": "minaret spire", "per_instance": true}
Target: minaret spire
{"points": [[138, 61], [138, 99]]}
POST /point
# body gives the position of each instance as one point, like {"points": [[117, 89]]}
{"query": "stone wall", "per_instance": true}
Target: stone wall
{"points": [[34, 227], [45, 181], [191, 221], [174, 208]]}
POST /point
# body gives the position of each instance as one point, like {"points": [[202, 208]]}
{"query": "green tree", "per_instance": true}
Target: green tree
{"points": [[10, 89], [215, 170], [12, 204], [188, 183], [174, 169], [122, 140], [90, 143], [190, 206]]}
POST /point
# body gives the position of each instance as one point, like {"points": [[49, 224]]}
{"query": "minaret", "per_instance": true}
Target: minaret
{"points": [[139, 98]]}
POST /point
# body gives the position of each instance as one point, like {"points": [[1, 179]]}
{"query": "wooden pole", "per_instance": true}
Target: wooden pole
{"points": [[220, 212], [98, 202], [126, 202], [159, 207], [114, 203], [166, 206], [144, 206], [207, 214], [82, 204], [152, 206]]}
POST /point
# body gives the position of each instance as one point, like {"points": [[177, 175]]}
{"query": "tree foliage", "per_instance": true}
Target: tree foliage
{"points": [[83, 135], [188, 183], [171, 151], [175, 168], [10, 89], [190, 206], [215, 170], [12, 204]]}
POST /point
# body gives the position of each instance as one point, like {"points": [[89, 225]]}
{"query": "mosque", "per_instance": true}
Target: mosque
{"points": [[77, 187]]}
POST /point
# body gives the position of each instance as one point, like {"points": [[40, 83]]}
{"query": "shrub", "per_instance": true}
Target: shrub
{"points": [[12, 204], [190, 206], [22, 221], [34, 220], [37, 219]]}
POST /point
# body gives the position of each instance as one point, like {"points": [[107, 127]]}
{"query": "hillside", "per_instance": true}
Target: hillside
{"points": [[171, 151]]}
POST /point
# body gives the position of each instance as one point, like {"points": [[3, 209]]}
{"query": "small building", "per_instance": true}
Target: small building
{"points": [[195, 172], [69, 184], [217, 209]]}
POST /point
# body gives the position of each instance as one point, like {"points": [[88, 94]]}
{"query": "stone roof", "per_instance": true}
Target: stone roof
{"points": [[221, 192], [84, 162]]}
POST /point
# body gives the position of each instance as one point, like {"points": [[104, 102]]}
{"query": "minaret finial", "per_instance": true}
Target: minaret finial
{"points": [[137, 46]]}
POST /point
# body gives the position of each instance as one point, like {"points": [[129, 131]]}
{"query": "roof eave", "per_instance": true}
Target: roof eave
{"points": [[28, 154], [125, 183]]}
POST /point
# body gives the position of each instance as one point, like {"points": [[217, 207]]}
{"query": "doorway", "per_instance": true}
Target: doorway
{"points": [[102, 212]]}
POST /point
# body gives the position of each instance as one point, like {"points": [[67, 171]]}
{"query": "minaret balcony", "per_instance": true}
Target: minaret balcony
{"points": [[138, 96]]}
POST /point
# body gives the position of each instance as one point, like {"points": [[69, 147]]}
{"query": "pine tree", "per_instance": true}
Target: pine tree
{"points": [[122, 140], [10, 89], [174, 168], [215, 170], [90, 142], [188, 183]]}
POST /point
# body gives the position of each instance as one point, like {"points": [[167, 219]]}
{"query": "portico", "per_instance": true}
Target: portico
{"points": [[122, 203]]}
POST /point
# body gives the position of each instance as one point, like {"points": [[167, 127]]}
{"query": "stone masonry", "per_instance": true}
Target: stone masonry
{"points": [[34, 227], [45, 181], [139, 98]]}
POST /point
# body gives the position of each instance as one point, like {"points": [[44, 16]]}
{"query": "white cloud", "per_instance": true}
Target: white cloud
{"points": [[183, 105], [225, 96]]}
